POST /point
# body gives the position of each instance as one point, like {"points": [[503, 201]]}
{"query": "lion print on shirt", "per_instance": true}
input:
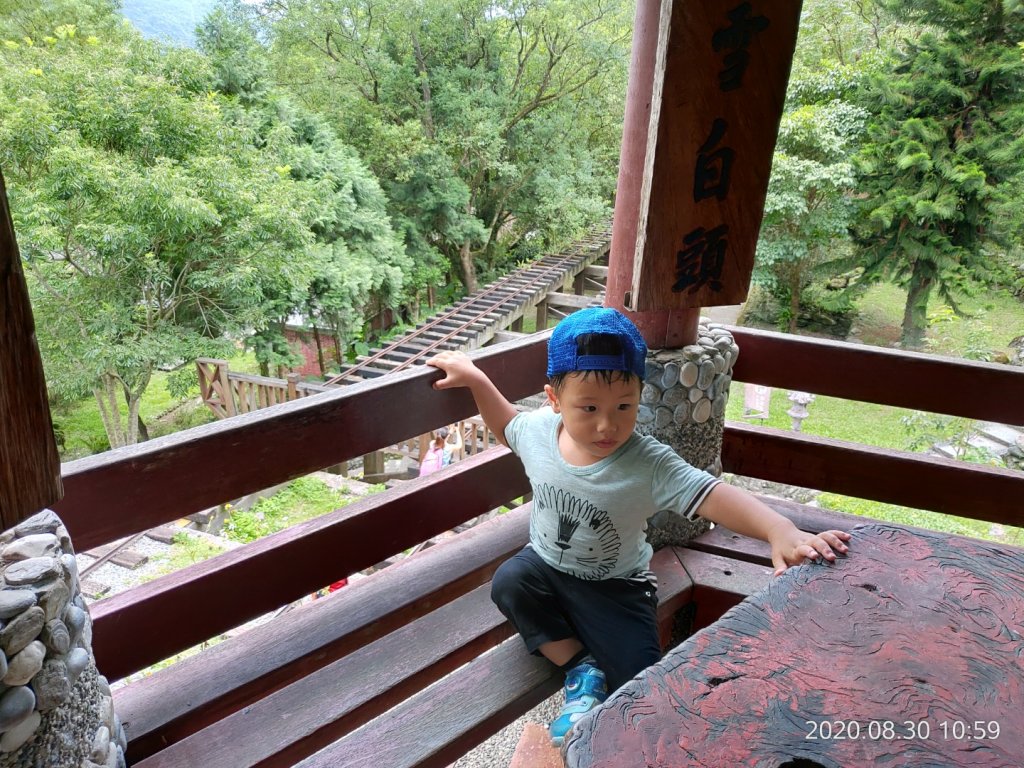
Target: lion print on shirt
{"points": [[590, 553]]}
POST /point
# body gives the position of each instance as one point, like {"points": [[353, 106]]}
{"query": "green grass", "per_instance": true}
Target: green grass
{"points": [[301, 500], [994, 318], [933, 521], [877, 425], [187, 550], [81, 428]]}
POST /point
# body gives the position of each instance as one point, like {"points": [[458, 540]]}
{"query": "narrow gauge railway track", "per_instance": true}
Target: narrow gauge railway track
{"points": [[457, 327]]}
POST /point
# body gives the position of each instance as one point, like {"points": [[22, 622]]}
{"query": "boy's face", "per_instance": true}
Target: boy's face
{"points": [[597, 417]]}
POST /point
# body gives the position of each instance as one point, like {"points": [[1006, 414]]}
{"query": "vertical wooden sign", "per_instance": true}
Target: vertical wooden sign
{"points": [[719, 87], [29, 463]]}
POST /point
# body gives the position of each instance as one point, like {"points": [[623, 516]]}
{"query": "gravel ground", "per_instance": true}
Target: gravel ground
{"points": [[119, 579], [497, 751]]}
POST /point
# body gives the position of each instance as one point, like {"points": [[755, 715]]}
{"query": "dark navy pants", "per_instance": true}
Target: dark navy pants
{"points": [[615, 619]]}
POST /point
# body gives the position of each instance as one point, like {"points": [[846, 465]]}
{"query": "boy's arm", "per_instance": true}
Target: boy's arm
{"points": [[460, 371], [741, 513]]}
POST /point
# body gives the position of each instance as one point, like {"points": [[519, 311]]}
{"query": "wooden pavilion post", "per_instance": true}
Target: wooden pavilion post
{"points": [[29, 462], [61, 714]]}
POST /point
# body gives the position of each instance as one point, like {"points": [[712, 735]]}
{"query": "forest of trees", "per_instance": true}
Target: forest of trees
{"points": [[329, 159]]}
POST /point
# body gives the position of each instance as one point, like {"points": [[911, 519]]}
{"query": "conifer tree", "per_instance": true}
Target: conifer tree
{"points": [[945, 141]]}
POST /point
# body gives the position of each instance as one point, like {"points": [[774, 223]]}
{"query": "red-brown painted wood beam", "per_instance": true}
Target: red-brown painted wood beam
{"points": [[132, 489], [915, 480], [933, 383], [29, 464], [182, 609], [176, 701]]}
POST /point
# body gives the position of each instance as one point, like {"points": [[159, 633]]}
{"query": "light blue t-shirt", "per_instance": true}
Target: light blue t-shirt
{"points": [[591, 521]]}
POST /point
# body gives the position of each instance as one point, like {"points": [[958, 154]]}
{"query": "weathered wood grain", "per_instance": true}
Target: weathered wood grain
{"points": [[29, 464], [314, 711], [913, 629], [178, 700]]}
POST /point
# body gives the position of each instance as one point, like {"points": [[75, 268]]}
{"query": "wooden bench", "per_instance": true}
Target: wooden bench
{"points": [[412, 666], [269, 697]]}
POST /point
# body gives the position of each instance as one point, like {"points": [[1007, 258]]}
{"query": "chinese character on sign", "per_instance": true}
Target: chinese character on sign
{"points": [[700, 261], [735, 39], [711, 177]]}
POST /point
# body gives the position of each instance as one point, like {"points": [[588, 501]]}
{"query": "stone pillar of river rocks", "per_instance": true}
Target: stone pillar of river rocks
{"points": [[683, 405], [56, 710]]}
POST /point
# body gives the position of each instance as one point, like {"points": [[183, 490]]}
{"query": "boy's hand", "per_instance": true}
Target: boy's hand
{"points": [[791, 546], [459, 370]]}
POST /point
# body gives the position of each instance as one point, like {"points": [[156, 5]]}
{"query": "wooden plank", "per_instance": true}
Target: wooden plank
{"points": [[440, 724], [503, 336], [296, 721], [114, 494], [443, 722], [907, 654], [319, 707], [571, 300], [179, 700], [124, 558], [29, 463], [719, 582], [915, 480], [312, 554], [879, 375], [719, 86], [164, 534]]}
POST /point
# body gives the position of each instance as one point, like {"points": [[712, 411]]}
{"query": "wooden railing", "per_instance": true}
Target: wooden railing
{"points": [[130, 490], [123, 492], [228, 393]]}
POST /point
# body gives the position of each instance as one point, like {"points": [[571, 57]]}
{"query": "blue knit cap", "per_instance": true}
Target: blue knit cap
{"points": [[562, 357]]}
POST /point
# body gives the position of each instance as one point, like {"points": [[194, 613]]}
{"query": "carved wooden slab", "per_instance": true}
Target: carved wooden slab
{"points": [[907, 653], [719, 86]]}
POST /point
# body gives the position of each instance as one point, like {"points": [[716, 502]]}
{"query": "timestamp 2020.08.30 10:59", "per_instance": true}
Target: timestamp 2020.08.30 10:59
{"points": [[902, 730]]}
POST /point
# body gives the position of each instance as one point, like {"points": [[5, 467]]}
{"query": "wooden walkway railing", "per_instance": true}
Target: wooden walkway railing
{"points": [[123, 492], [229, 393]]}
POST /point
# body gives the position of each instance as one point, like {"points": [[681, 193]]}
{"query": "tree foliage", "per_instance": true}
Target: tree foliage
{"points": [[808, 207], [158, 220], [489, 123], [945, 141], [359, 264]]}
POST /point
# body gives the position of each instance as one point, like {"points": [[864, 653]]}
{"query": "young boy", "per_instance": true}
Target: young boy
{"points": [[581, 592]]}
